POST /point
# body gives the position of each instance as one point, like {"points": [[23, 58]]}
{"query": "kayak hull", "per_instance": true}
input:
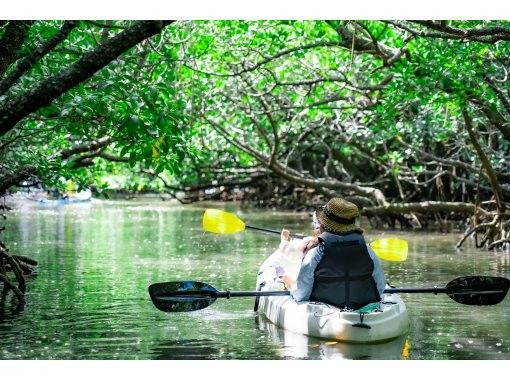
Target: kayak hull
{"points": [[328, 322], [324, 321]]}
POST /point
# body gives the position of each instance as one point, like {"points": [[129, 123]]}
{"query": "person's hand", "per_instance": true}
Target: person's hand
{"points": [[285, 235], [288, 281], [312, 243]]}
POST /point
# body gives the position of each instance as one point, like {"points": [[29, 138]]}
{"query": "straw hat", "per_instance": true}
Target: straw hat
{"points": [[339, 216]]}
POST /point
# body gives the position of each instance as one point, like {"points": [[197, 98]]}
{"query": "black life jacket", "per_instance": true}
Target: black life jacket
{"points": [[343, 277]]}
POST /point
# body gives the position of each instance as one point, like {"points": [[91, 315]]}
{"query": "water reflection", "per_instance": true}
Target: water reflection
{"points": [[188, 349], [90, 301], [298, 346], [10, 307]]}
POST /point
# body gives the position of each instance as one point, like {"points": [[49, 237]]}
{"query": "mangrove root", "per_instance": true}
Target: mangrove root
{"points": [[16, 267], [490, 230]]}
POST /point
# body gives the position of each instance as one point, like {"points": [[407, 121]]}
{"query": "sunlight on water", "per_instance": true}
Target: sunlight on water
{"points": [[89, 299]]}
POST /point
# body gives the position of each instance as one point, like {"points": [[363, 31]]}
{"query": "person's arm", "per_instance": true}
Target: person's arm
{"points": [[304, 282], [378, 273]]}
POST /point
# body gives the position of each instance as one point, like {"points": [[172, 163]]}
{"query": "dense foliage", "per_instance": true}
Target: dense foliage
{"points": [[390, 114], [408, 119], [126, 112]]}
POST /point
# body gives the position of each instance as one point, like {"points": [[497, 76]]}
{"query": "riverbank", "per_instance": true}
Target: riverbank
{"points": [[398, 223]]}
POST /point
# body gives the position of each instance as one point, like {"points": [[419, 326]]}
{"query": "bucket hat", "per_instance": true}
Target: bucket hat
{"points": [[339, 216]]}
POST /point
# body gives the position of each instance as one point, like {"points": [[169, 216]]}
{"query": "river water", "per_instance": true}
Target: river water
{"points": [[89, 299]]}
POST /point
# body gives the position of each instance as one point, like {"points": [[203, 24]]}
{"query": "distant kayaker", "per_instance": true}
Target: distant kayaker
{"points": [[340, 269]]}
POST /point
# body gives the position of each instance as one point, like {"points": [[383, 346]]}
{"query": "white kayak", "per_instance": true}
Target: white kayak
{"points": [[384, 322]]}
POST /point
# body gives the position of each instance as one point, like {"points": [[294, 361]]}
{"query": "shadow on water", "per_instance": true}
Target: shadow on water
{"points": [[10, 307], [299, 346], [187, 349]]}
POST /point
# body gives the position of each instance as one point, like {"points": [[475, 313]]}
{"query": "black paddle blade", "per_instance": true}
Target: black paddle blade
{"points": [[478, 290], [182, 296]]}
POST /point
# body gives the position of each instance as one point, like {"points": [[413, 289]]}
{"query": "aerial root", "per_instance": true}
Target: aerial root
{"points": [[493, 234], [16, 267]]}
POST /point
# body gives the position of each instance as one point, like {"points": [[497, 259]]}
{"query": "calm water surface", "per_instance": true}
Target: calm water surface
{"points": [[89, 299]]}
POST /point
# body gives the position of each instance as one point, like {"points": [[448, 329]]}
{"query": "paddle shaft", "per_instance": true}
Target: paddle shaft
{"points": [[297, 236], [436, 290], [231, 294], [225, 294]]}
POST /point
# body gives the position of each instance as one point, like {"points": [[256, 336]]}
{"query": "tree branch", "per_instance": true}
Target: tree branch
{"points": [[15, 109], [26, 63], [428, 207], [11, 41], [12, 179], [87, 147], [440, 30], [493, 178], [298, 177], [487, 34]]}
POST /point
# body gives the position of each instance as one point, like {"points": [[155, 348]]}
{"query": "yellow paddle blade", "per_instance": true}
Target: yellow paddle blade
{"points": [[221, 222], [390, 249]]}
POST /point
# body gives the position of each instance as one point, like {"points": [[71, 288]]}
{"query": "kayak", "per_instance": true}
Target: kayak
{"points": [[378, 322], [62, 201], [82, 196]]}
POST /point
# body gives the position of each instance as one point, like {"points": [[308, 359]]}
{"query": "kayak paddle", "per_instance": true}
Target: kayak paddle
{"points": [[390, 249], [222, 222], [193, 295]]}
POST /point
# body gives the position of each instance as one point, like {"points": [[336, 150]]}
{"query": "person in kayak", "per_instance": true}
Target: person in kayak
{"points": [[341, 269]]}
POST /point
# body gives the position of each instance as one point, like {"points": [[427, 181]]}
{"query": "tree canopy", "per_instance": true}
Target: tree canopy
{"points": [[409, 119]]}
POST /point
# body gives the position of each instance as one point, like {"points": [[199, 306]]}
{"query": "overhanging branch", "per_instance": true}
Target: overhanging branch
{"points": [[15, 109]]}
